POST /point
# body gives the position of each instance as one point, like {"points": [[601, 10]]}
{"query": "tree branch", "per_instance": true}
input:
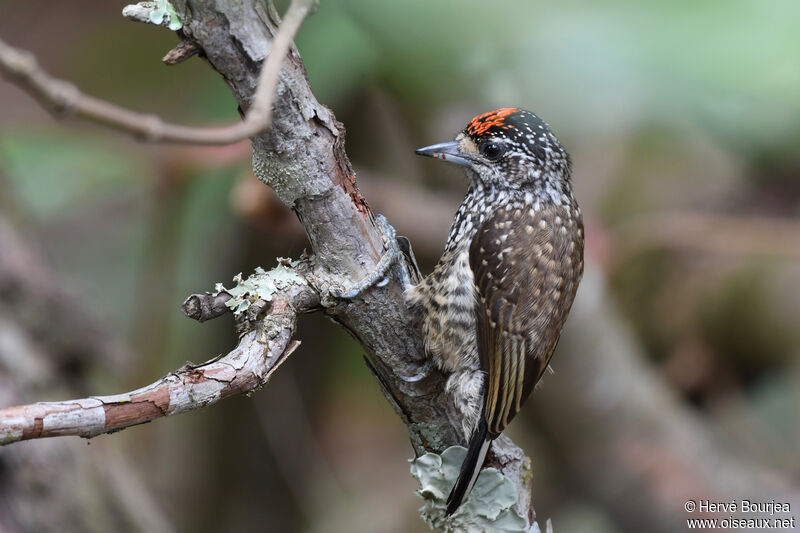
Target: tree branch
{"points": [[64, 99], [202, 307], [248, 366], [301, 156]]}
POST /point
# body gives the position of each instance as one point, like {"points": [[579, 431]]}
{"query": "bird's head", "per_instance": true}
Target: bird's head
{"points": [[509, 147]]}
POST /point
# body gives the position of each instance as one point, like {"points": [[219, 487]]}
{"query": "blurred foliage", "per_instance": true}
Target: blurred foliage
{"points": [[739, 304], [635, 284], [75, 172], [729, 65]]}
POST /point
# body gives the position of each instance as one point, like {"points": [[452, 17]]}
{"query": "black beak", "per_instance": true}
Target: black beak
{"points": [[448, 151]]}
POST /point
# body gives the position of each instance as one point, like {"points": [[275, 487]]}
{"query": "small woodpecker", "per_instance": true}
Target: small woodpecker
{"points": [[494, 306]]}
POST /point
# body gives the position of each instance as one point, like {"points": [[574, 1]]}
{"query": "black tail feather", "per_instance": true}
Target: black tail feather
{"points": [[476, 455]]}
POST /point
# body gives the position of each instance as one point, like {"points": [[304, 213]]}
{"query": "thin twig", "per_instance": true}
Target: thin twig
{"points": [[65, 99], [182, 51], [202, 307]]}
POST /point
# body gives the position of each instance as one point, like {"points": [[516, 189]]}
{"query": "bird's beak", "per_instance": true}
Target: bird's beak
{"points": [[448, 151]]}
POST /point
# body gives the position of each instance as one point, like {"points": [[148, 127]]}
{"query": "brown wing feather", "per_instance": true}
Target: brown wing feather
{"points": [[527, 265]]}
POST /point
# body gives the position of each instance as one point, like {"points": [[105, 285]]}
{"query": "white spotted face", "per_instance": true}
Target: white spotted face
{"points": [[514, 148]]}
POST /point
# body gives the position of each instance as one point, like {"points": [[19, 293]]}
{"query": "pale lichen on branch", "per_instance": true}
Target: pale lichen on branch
{"points": [[260, 352], [301, 155], [158, 12]]}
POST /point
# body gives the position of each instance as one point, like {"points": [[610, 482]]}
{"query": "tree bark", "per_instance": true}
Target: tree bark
{"points": [[302, 158]]}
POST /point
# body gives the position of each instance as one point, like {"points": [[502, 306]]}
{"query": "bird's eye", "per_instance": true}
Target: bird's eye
{"points": [[492, 150]]}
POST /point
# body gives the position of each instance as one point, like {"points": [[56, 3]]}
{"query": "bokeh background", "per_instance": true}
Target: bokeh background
{"points": [[679, 372]]}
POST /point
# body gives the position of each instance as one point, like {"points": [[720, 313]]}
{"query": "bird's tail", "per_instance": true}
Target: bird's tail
{"points": [[471, 467]]}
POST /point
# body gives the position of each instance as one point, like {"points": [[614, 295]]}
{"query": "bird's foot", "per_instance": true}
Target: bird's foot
{"points": [[380, 276], [424, 372]]}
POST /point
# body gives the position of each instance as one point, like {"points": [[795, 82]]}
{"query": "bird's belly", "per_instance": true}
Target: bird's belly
{"points": [[447, 298]]}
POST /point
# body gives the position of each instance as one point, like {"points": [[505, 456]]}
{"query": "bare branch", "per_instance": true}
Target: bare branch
{"points": [[248, 366], [64, 99], [183, 51], [202, 307], [302, 158]]}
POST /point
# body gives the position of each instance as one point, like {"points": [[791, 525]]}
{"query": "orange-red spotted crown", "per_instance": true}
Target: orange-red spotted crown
{"points": [[481, 124], [518, 132]]}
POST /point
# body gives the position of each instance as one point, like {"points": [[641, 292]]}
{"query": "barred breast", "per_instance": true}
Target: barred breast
{"points": [[447, 300]]}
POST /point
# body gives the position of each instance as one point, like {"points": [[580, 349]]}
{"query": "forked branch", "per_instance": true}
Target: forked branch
{"points": [[301, 156], [245, 368]]}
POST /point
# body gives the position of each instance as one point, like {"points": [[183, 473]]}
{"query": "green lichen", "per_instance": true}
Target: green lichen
{"points": [[260, 286], [527, 474], [164, 12], [489, 506], [427, 435]]}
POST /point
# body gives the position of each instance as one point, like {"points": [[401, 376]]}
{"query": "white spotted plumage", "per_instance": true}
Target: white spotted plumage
{"points": [[493, 307]]}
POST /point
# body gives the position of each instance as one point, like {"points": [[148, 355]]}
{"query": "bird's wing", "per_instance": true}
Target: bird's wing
{"points": [[526, 273]]}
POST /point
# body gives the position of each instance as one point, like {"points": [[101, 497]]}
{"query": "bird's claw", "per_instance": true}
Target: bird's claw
{"points": [[425, 370], [380, 276]]}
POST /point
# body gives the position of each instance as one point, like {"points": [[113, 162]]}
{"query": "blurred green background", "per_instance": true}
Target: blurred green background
{"points": [[683, 121]]}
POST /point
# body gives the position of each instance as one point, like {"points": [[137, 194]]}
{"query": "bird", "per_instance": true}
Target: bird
{"points": [[494, 305]]}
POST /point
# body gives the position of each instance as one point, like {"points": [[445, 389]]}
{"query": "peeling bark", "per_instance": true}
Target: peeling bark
{"points": [[248, 366], [302, 158]]}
